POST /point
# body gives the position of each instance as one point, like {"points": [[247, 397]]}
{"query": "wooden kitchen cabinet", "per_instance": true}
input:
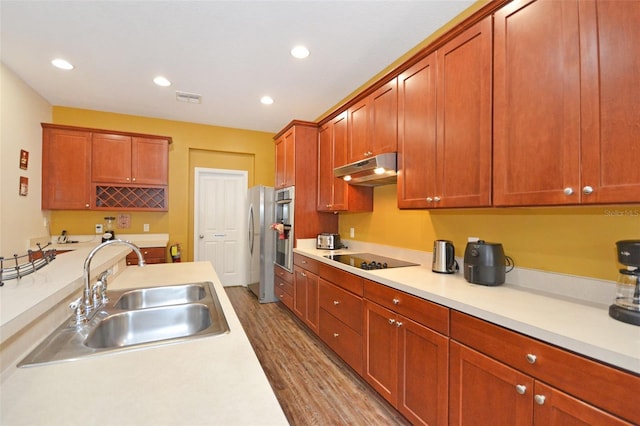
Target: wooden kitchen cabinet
{"points": [[340, 301], [566, 87], [501, 377], [285, 159], [124, 159], [444, 124], [373, 124], [66, 168], [151, 255], [405, 360], [334, 194], [283, 286], [305, 290]]}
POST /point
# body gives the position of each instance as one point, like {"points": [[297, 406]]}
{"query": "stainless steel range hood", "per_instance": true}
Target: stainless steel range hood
{"points": [[374, 171]]}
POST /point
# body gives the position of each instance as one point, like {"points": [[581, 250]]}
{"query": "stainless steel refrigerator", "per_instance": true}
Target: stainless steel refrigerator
{"points": [[261, 250]]}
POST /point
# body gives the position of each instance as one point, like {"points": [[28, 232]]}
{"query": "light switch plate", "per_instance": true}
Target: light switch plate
{"points": [[145, 227], [98, 228]]}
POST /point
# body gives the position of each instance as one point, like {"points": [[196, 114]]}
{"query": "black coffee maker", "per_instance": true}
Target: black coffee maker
{"points": [[626, 307], [109, 233]]}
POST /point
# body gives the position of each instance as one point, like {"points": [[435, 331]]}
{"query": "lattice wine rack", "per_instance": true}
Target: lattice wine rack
{"points": [[128, 197]]}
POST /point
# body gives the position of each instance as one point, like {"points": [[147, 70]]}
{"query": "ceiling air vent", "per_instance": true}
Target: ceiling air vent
{"points": [[190, 98]]}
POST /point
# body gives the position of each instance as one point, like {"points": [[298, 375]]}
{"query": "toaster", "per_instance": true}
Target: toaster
{"points": [[326, 241]]}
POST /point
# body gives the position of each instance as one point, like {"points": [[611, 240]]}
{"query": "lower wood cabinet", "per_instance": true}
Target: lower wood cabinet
{"points": [[405, 361], [283, 286], [151, 255], [305, 291], [502, 377]]}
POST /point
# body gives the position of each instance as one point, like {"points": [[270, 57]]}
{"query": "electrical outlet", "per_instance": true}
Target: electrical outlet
{"points": [[98, 228], [145, 227], [352, 232]]}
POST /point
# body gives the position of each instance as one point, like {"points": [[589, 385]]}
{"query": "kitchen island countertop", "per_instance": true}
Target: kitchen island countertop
{"points": [[210, 380]]}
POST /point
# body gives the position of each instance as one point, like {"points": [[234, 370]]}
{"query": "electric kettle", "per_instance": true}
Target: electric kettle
{"points": [[444, 257]]}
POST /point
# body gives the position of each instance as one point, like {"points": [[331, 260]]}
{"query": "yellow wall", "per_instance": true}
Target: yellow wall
{"points": [[194, 145], [572, 240]]}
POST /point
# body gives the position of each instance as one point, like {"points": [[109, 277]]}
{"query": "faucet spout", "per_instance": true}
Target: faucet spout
{"points": [[87, 297]]}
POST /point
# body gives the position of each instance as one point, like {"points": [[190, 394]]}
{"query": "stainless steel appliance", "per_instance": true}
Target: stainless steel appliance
{"points": [[284, 214], [369, 261], [261, 243], [485, 263], [626, 307], [444, 257], [326, 241], [374, 171]]}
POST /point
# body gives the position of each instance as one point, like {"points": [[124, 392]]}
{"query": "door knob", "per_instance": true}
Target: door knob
{"points": [[201, 236]]}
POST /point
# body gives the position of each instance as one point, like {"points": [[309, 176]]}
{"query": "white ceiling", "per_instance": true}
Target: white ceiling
{"points": [[230, 52]]}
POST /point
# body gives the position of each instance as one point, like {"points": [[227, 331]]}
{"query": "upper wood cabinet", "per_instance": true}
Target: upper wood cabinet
{"points": [[103, 170], [129, 160], [566, 90], [66, 168], [373, 124], [334, 194], [444, 125], [285, 160]]}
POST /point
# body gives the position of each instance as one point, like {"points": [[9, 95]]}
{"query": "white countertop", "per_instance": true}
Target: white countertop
{"points": [[210, 380], [581, 327]]}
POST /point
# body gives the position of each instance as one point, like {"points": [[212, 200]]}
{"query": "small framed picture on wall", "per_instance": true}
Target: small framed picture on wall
{"points": [[24, 186], [24, 159]]}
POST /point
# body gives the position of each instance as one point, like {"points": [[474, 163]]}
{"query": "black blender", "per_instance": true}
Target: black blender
{"points": [[627, 305]]}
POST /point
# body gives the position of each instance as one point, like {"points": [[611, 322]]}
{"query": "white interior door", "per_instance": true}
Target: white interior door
{"points": [[220, 224]]}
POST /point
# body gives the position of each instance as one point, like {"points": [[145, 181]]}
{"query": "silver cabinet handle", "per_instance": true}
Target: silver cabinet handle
{"points": [[398, 324], [531, 358], [521, 389], [587, 190], [303, 274], [396, 301], [336, 335], [281, 284], [429, 199], [86, 205], [336, 302], [304, 262], [392, 321], [568, 191], [436, 199], [539, 399], [134, 179]]}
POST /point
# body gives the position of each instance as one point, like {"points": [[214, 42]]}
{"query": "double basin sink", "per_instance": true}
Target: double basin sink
{"points": [[137, 318]]}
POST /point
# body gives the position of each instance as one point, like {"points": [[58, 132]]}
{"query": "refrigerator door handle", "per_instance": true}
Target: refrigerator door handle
{"points": [[251, 231]]}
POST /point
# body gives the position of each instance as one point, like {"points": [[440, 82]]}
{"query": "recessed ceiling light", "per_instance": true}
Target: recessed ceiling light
{"points": [[266, 100], [300, 52], [62, 64], [161, 81]]}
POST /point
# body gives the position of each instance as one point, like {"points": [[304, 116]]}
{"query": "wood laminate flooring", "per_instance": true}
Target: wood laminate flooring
{"points": [[313, 385]]}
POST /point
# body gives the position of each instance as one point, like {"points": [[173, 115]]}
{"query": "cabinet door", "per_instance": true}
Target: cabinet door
{"points": [[464, 94], [417, 134], [381, 350], [285, 160], [610, 32], [359, 146], [384, 118], [280, 163], [111, 158], [536, 103], [313, 302], [66, 169], [325, 167], [299, 292], [483, 391], [340, 140], [149, 161], [556, 408], [423, 373]]}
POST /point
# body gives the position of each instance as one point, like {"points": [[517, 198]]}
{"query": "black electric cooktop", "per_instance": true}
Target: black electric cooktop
{"points": [[369, 261]]}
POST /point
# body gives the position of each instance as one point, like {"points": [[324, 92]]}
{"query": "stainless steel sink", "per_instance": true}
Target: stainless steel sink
{"points": [[178, 313], [159, 296]]}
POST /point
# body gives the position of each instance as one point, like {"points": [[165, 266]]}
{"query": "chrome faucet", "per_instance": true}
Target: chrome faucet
{"points": [[88, 302]]}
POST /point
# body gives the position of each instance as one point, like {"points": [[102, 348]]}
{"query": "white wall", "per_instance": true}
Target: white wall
{"points": [[21, 112]]}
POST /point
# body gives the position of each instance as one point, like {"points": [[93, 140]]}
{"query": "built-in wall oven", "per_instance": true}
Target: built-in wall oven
{"points": [[284, 202]]}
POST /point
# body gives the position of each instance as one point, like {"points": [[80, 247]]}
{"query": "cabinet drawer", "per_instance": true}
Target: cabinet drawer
{"points": [[284, 297], [305, 263], [280, 285], [603, 386], [151, 255], [342, 339], [419, 310], [345, 306], [283, 274], [347, 281]]}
